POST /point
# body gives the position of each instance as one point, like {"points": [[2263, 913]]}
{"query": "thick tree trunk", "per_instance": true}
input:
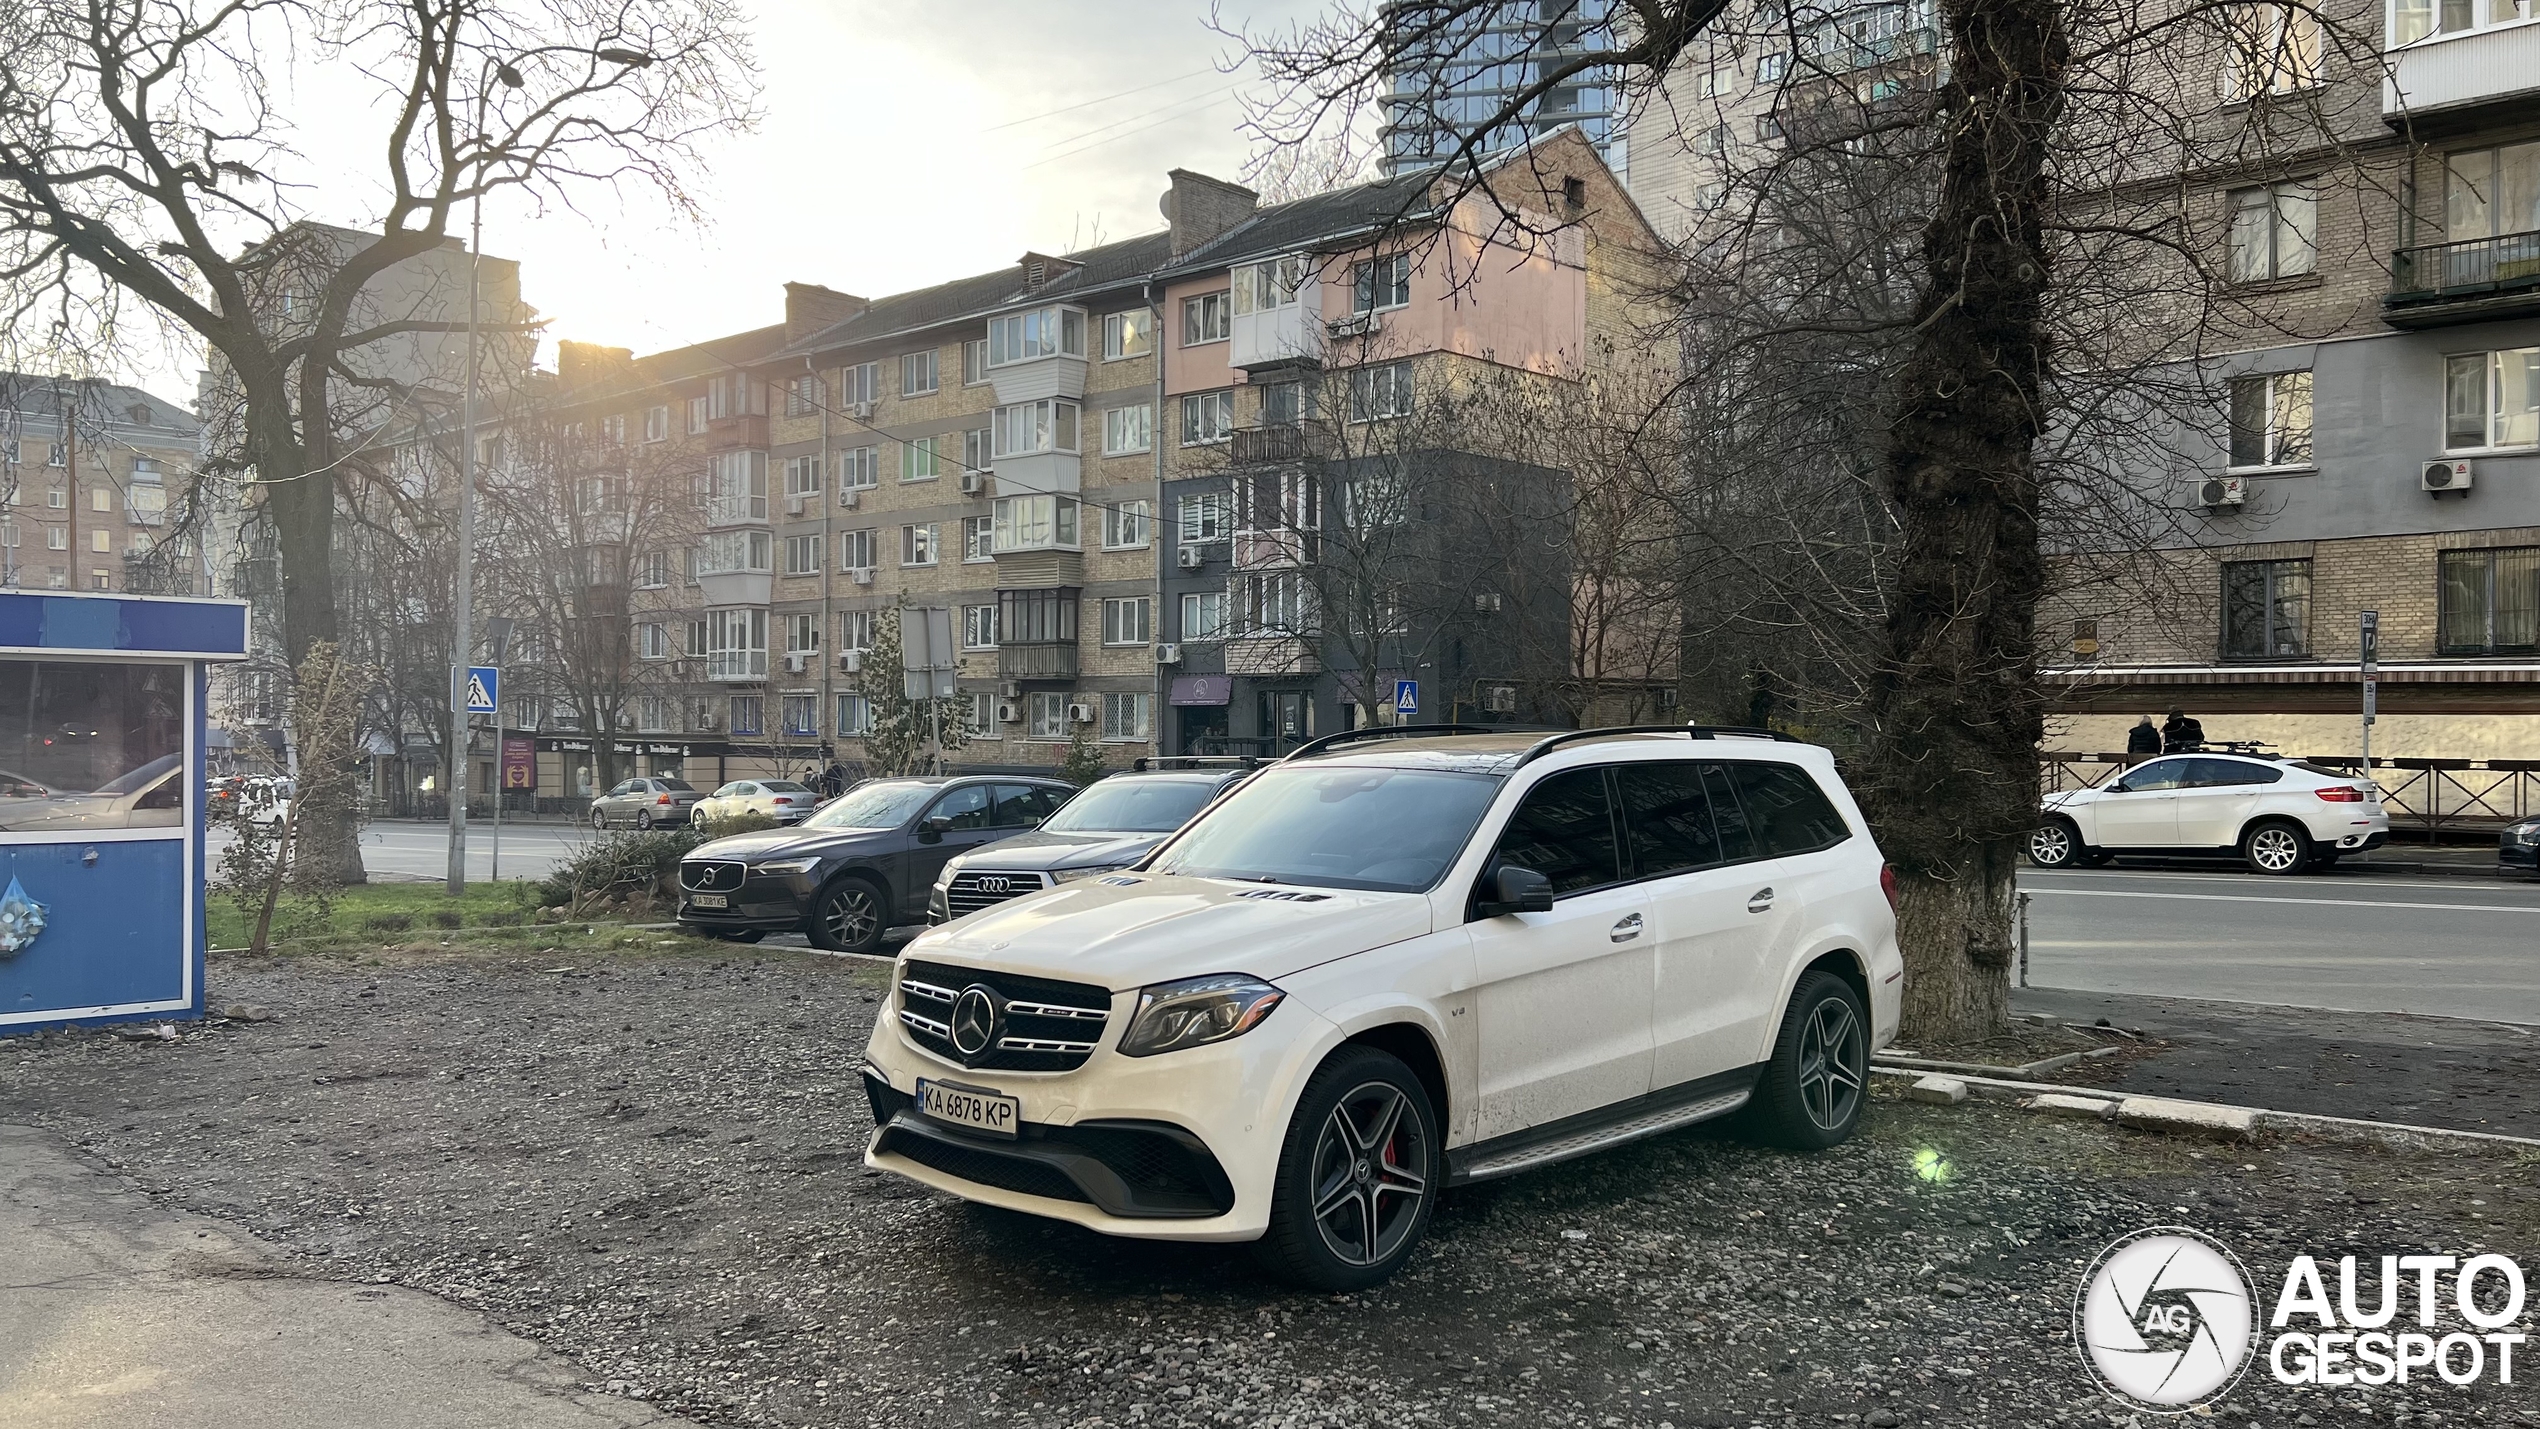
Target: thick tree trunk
{"points": [[300, 503], [1951, 774]]}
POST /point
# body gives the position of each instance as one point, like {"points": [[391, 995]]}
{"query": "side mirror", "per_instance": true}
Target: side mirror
{"points": [[2115, 786], [931, 830], [1516, 890]]}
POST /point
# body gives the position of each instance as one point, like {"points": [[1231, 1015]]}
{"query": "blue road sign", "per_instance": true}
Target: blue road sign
{"points": [[1406, 697], [484, 687]]}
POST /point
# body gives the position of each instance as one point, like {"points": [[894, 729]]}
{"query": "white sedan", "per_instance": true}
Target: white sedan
{"points": [[780, 799], [2279, 815]]}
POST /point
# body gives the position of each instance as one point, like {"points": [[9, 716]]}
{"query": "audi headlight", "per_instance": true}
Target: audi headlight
{"points": [[1070, 875], [786, 865], [1197, 1011]]}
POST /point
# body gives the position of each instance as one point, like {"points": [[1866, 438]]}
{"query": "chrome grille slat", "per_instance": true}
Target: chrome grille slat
{"points": [[929, 991], [712, 875], [965, 896], [924, 1024], [1058, 1009], [1042, 1044]]}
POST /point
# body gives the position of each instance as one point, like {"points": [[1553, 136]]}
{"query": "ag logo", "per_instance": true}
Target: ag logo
{"points": [[2165, 1319]]}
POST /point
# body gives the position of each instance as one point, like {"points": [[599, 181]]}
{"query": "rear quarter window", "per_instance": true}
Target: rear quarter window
{"points": [[1786, 810]]}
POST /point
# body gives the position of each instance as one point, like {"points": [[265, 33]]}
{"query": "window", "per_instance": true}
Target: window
{"points": [[1031, 523], [917, 459], [1048, 715], [749, 714], [855, 716], [802, 715], [735, 552], [917, 544], [57, 538], [1771, 66], [1127, 621], [700, 712], [917, 373], [978, 538], [1205, 518], [1667, 818], [1128, 429], [597, 495], [1715, 140], [859, 469], [1127, 334], [1205, 319], [2492, 399], [652, 641], [652, 570], [802, 396], [1383, 283], [802, 476], [1375, 500], [2491, 193], [974, 362], [2271, 420], [1207, 417], [2274, 232], [802, 555], [1204, 615], [983, 715], [2275, 49], [1282, 404], [978, 450], [1023, 428], [1036, 617], [1124, 717], [1124, 525], [57, 498], [1269, 286], [695, 646], [1565, 831], [860, 549], [2266, 609], [2413, 20], [736, 487], [860, 385], [100, 542], [1785, 810], [1376, 393], [1273, 603], [697, 409], [101, 498], [652, 714], [613, 429], [737, 648], [2491, 601], [1043, 332], [657, 424], [978, 627], [855, 629], [1768, 128]]}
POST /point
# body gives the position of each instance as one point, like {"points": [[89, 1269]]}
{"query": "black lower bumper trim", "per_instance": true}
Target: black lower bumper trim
{"points": [[1136, 1170]]}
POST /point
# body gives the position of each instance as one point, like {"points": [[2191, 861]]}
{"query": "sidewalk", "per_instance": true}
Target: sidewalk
{"points": [[119, 1313], [2426, 1071]]}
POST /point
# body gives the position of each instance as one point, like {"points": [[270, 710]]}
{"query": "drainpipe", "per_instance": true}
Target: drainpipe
{"points": [[1156, 525], [828, 561]]}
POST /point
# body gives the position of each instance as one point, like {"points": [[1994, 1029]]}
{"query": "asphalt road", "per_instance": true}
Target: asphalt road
{"points": [[403, 850], [2348, 940]]}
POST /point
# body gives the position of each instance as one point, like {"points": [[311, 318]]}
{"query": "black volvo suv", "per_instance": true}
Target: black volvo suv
{"points": [[860, 866]]}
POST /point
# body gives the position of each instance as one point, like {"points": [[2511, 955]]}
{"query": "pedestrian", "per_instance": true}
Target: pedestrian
{"points": [[2180, 733], [833, 780], [2143, 738]]}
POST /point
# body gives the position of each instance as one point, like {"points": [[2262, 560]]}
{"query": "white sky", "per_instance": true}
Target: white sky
{"points": [[904, 144]]}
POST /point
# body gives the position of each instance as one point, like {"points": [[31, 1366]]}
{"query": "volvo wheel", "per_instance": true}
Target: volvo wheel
{"points": [[1358, 1174], [848, 917], [2276, 847], [1812, 1091]]}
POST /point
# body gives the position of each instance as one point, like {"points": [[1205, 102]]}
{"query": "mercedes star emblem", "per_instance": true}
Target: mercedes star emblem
{"points": [[975, 1016]]}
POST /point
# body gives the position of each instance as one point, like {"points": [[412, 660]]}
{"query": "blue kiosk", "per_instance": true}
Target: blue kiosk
{"points": [[101, 803]]}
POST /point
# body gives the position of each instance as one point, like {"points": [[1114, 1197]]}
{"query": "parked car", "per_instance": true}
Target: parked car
{"points": [[861, 865], [149, 797], [642, 803], [2280, 816], [783, 800], [2519, 847], [1115, 822], [1394, 962]]}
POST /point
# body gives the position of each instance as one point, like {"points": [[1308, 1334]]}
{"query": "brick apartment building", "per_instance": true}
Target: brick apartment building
{"points": [[89, 472]]}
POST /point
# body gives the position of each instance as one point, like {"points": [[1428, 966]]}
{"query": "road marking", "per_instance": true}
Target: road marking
{"points": [[2524, 909]]}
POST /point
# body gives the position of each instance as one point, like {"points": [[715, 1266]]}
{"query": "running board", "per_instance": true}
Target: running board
{"points": [[1596, 1138]]}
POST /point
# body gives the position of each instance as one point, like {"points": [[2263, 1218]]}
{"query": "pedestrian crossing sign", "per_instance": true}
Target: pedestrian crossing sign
{"points": [[484, 682]]}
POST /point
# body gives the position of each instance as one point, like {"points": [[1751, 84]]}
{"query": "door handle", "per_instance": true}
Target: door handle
{"points": [[1627, 929], [1759, 901]]}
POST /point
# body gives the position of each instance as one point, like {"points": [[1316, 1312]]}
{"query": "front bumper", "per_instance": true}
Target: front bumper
{"points": [[1141, 1170], [765, 902], [2513, 853]]}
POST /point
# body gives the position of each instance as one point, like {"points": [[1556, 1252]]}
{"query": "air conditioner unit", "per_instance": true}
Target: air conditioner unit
{"points": [[1189, 557], [1487, 602], [862, 410], [1009, 713], [2222, 491], [679, 669], [794, 505], [847, 498], [2444, 478], [1011, 690], [861, 575], [851, 660], [1168, 654], [706, 722], [1081, 713], [1355, 325], [795, 660], [973, 482]]}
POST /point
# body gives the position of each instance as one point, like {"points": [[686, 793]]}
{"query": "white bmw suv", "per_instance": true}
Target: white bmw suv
{"points": [[2280, 815], [1398, 961]]}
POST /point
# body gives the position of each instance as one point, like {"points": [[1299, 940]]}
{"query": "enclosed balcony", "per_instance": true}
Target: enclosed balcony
{"points": [[736, 488], [1278, 315], [737, 567], [1036, 634], [2476, 61], [2472, 280], [1037, 354]]}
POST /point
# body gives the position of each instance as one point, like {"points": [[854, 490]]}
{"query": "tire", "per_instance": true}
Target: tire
{"points": [[697, 816], [2055, 843], [1364, 1145], [600, 819], [1814, 1089], [2096, 858], [744, 935], [643, 821], [2277, 847], [849, 916]]}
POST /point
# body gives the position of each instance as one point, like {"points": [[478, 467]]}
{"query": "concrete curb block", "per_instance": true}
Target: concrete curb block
{"points": [[2211, 1119], [1987, 1069]]}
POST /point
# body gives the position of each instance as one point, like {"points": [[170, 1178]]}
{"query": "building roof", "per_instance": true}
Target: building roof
{"points": [[1095, 269], [1316, 218], [128, 411]]}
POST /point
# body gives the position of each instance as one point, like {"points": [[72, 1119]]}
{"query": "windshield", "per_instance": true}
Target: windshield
{"points": [[783, 786], [677, 786], [1132, 806], [1387, 830], [885, 804]]}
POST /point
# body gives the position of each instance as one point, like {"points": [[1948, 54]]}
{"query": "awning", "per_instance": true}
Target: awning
{"points": [[1202, 689]]}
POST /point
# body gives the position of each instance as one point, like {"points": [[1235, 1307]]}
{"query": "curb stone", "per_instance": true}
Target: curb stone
{"points": [[2230, 1123], [2064, 1104], [1940, 1091], [2347, 1129]]}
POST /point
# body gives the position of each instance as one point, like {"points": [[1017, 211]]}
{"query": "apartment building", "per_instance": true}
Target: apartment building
{"points": [[90, 474], [1459, 66]]}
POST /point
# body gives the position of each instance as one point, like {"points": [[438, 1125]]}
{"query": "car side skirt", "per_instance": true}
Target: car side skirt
{"points": [[1606, 1127]]}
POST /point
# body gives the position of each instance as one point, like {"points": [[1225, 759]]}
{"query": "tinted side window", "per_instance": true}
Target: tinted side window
{"points": [[1565, 831], [2159, 774], [966, 807], [1022, 805], [2221, 773], [1667, 818], [1789, 812], [1737, 836]]}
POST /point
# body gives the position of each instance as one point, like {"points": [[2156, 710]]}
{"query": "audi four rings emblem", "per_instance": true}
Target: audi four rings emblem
{"points": [[993, 884], [975, 1016]]}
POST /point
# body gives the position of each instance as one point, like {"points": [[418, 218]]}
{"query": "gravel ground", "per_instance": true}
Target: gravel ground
{"points": [[654, 1167]]}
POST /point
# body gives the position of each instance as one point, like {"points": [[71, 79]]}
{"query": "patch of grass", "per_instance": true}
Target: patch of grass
{"points": [[354, 908]]}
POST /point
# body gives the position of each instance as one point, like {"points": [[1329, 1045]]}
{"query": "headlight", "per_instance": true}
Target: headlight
{"points": [[786, 865], [2530, 833], [1070, 875], [1197, 1011]]}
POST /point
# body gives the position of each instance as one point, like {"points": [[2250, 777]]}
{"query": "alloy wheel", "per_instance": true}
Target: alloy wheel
{"points": [[1833, 1063], [643, 820], [2050, 845], [848, 916], [1370, 1174], [599, 818], [2275, 849]]}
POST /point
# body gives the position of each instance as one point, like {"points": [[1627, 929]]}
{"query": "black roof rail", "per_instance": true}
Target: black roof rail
{"points": [[1542, 747], [1156, 763], [1714, 731], [1389, 731]]}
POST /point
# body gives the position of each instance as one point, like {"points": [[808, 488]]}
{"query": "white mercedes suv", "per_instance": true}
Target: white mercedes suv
{"points": [[1401, 960], [2280, 815]]}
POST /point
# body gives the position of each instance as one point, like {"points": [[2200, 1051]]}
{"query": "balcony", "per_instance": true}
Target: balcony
{"points": [[1271, 445], [1036, 662], [736, 665], [2450, 82], [2473, 280], [725, 434], [1271, 656]]}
